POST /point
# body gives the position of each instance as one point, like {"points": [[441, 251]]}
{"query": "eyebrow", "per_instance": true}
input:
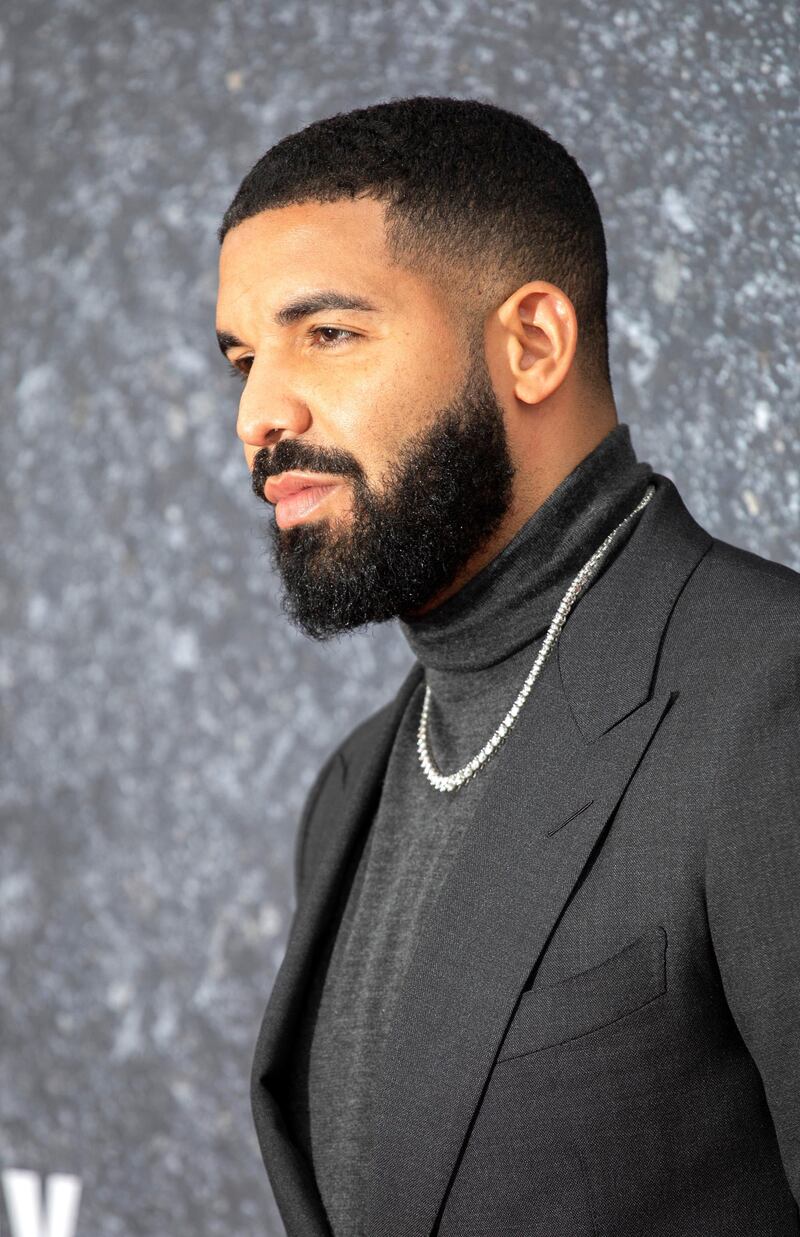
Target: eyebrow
{"points": [[302, 307]]}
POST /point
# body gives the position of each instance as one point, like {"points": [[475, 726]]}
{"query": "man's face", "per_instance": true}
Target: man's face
{"points": [[371, 424]]}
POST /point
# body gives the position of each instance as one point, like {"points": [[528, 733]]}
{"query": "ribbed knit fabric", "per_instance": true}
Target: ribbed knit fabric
{"points": [[477, 648]]}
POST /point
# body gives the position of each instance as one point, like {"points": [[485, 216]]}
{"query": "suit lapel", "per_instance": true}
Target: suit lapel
{"points": [[346, 815], [350, 815], [546, 802]]}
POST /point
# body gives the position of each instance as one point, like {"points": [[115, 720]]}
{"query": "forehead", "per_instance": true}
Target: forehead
{"points": [[280, 252]]}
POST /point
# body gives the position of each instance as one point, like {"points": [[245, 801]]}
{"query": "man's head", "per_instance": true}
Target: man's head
{"points": [[401, 288]]}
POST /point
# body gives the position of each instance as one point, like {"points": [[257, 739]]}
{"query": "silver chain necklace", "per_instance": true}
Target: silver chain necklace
{"points": [[452, 781]]}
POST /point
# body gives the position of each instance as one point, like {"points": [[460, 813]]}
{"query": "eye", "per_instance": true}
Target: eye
{"points": [[236, 370], [337, 330]]}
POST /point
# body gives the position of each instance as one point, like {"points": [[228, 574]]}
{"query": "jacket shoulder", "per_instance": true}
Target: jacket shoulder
{"points": [[732, 650], [767, 573], [747, 599]]}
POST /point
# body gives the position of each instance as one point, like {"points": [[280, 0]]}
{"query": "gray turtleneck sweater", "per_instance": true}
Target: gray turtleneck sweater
{"points": [[476, 648]]}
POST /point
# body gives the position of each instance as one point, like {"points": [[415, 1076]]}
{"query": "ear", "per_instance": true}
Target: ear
{"points": [[541, 335]]}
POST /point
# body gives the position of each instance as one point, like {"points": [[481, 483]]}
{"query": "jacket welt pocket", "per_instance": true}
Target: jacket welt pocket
{"points": [[589, 999]]}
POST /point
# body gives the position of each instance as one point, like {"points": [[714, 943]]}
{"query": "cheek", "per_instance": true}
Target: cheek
{"points": [[375, 445], [377, 406], [371, 424]]}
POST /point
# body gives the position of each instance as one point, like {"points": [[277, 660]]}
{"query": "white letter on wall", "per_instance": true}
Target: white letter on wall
{"points": [[23, 1195]]}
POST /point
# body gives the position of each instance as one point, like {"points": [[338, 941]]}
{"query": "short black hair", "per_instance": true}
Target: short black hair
{"points": [[477, 197]]}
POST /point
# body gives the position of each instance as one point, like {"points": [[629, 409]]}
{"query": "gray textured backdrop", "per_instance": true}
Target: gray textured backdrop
{"points": [[161, 721]]}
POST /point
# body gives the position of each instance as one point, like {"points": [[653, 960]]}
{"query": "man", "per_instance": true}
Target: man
{"points": [[542, 976]]}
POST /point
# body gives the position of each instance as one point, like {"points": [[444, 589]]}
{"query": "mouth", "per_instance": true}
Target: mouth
{"points": [[297, 497]]}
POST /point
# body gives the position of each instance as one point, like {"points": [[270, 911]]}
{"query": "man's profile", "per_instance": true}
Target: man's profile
{"points": [[543, 975]]}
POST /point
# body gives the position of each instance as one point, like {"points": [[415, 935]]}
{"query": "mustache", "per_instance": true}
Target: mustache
{"points": [[290, 455]]}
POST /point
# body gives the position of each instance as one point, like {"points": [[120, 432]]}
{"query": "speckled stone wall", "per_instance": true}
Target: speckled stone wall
{"points": [[161, 720]]}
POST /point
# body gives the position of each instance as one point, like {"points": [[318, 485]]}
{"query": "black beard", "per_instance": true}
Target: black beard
{"points": [[444, 495]]}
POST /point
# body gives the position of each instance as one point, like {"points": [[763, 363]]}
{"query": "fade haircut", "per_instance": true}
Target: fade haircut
{"points": [[478, 199]]}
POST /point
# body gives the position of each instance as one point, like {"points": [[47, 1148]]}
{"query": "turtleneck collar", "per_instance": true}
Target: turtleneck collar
{"points": [[512, 600]]}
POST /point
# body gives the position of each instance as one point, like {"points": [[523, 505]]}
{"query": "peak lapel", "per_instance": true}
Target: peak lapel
{"points": [[609, 647], [548, 797]]}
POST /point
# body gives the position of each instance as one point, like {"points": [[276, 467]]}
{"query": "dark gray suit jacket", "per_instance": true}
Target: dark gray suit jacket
{"points": [[599, 1030]]}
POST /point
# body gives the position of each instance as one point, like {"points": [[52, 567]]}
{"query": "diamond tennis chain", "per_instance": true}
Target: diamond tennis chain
{"points": [[452, 781]]}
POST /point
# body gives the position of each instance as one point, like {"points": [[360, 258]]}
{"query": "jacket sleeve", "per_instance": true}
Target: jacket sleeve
{"points": [[753, 881]]}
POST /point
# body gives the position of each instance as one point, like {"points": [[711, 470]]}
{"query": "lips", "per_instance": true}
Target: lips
{"points": [[288, 483], [296, 495]]}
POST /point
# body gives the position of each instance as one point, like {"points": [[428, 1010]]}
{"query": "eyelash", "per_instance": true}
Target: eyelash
{"points": [[241, 374]]}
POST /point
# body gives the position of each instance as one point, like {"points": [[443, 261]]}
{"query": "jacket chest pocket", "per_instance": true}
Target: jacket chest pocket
{"points": [[590, 999]]}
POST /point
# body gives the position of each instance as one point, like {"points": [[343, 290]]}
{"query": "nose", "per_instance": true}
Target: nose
{"points": [[264, 420]]}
